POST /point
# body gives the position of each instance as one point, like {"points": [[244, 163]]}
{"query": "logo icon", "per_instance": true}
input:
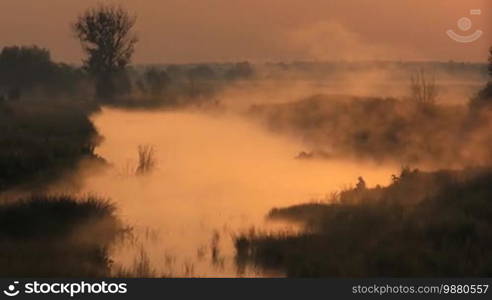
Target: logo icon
{"points": [[11, 290], [465, 24]]}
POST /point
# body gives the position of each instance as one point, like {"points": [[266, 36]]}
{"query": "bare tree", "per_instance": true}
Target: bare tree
{"points": [[423, 87], [107, 37]]}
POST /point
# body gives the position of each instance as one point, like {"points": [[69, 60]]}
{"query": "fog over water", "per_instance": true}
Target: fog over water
{"points": [[216, 175]]}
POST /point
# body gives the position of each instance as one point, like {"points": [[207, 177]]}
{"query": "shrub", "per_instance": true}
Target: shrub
{"points": [[38, 141]]}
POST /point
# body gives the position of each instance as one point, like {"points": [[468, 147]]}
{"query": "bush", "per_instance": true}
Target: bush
{"points": [[39, 141], [25, 70]]}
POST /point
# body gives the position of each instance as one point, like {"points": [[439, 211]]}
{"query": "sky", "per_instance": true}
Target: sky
{"points": [[191, 31]]}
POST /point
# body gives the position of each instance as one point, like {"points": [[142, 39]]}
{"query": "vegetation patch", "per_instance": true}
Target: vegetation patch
{"points": [[39, 141], [386, 231], [57, 236]]}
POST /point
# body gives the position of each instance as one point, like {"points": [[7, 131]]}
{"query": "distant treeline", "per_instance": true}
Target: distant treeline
{"points": [[29, 71]]}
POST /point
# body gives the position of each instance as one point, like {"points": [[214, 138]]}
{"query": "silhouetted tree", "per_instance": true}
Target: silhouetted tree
{"points": [[197, 78], [484, 97], [240, 71], [23, 68], [107, 37], [423, 88], [156, 81], [202, 72]]}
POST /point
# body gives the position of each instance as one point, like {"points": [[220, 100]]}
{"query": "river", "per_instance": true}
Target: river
{"points": [[215, 175]]}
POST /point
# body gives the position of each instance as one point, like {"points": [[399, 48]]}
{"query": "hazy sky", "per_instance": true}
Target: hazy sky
{"points": [[177, 31]]}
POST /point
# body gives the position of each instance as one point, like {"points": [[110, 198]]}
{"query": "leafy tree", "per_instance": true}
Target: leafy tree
{"points": [[107, 37], [24, 68]]}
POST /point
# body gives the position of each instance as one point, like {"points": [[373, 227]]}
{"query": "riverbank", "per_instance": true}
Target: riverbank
{"points": [[42, 140], [422, 225]]}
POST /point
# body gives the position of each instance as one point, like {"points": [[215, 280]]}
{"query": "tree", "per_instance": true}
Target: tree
{"points": [[241, 70], [156, 81], [197, 79], [23, 69], [484, 97], [107, 37], [201, 72], [29, 69], [490, 63], [423, 88]]}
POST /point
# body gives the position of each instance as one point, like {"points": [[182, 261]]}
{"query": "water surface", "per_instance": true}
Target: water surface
{"points": [[216, 175]]}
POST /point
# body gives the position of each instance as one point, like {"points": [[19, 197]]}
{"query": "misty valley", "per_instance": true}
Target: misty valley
{"points": [[333, 168]]}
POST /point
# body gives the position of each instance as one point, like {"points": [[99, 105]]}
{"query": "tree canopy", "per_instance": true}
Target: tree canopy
{"points": [[107, 37]]}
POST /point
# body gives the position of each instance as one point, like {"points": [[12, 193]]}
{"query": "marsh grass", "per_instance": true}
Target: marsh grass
{"points": [[386, 231], [140, 268], [57, 236], [146, 159]]}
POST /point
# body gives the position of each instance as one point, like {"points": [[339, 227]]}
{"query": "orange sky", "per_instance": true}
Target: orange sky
{"points": [[177, 31]]}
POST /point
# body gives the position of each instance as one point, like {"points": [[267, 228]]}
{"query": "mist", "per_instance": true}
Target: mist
{"points": [[245, 139], [215, 173], [286, 83]]}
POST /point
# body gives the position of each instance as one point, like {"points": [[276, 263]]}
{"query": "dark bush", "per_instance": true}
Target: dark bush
{"points": [[39, 140]]}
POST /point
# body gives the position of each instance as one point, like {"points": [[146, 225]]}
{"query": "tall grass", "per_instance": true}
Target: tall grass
{"points": [[57, 236], [146, 159], [141, 267], [406, 229]]}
